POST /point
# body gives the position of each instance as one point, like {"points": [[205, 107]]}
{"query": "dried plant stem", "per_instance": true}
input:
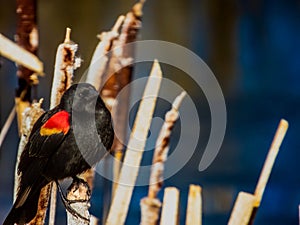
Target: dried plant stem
{"points": [[79, 192], [27, 38], [94, 220], [30, 116], [7, 125], [96, 73], [65, 64], [162, 148], [120, 72], [150, 206], [169, 214], [109, 72], [194, 207], [246, 214], [96, 70], [19, 55], [150, 209], [133, 156], [39, 219], [89, 176], [242, 209], [268, 165], [21, 105], [100, 57], [53, 195]]}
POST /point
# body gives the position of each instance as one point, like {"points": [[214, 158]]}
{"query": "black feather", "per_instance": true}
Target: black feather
{"points": [[57, 156]]}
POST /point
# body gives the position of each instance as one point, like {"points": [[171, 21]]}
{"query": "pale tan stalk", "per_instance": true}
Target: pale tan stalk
{"points": [[119, 207], [19, 55], [65, 64], [194, 207], [170, 214]]}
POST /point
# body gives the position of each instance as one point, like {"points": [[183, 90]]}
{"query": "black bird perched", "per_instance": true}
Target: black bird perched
{"points": [[64, 142]]}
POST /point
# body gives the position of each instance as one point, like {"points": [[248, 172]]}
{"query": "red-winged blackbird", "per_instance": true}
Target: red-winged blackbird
{"points": [[64, 142]]}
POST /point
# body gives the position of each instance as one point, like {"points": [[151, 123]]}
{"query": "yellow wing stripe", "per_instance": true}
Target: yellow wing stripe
{"points": [[49, 131]]}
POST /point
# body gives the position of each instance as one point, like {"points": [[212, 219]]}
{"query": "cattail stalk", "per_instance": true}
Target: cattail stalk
{"points": [[170, 214], [120, 71], [162, 148], [19, 55], [7, 125], [194, 207], [100, 56], [150, 205], [80, 194], [30, 116], [27, 38], [242, 209], [120, 203], [65, 64], [243, 212]]}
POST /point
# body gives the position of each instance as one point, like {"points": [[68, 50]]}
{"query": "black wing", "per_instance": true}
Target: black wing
{"points": [[33, 160], [40, 147]]}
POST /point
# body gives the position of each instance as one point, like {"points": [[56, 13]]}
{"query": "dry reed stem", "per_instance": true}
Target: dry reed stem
{"points": [[20, 105], [26, 37], [30, 116], [242, 209], [120, 71], [115, 69], [243, 213], [112, 64], [94, 220], [194, 207], [79, 191], [97, 69], [169, 214], [119, 207], [65, 64], [268, 165], [7, 125], [19, 55], [39, 218], [150, 206], [100, 58], [150, 209], [267, 168], [162, 148]]}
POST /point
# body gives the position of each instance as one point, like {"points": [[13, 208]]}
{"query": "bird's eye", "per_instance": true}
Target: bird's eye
{"points": [[83, 93]]}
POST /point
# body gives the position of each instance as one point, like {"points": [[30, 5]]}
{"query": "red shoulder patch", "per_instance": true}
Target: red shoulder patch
{"points": [[58, 123]]}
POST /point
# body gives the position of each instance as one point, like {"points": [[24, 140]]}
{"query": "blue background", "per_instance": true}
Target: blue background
{"points": [[252, 47]]}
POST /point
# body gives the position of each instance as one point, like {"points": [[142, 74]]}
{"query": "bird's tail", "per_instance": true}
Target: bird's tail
{"points": [[25, 206]]}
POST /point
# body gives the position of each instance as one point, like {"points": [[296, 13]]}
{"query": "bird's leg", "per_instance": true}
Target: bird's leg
{"points": [[67, 203], [78, 181], [63, 197]]}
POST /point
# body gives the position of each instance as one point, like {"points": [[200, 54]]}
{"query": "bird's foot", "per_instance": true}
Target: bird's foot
{"points": [[67, 203]]}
